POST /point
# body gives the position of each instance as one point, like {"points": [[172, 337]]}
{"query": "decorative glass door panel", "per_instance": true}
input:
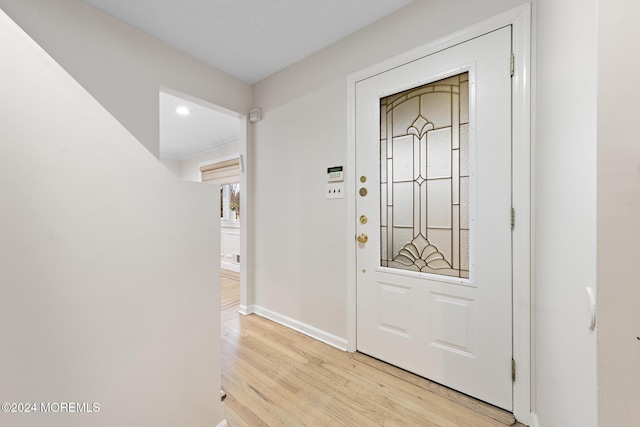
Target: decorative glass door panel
{"points": [[424, 176]]}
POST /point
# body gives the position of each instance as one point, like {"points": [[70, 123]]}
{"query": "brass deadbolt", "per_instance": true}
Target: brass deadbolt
{"points": [[363, 191], [362, 238]]}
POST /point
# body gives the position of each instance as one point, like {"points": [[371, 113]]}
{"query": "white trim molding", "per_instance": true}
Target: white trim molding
{"points": [[313, 332], [521, 202], [534, 420], [520, 20], [246, 310], [197, 151], [230, 266]]}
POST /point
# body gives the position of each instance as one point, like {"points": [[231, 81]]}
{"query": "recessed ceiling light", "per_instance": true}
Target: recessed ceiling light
{"points": [[183, 111]]}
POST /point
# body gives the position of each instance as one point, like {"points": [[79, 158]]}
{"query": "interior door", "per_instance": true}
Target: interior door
{"points": [[433, 160]]}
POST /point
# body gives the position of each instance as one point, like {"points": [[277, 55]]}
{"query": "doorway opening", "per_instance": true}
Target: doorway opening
{"points": [[203, 142]]}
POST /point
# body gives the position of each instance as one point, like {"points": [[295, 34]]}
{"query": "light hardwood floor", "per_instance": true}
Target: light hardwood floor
{"points": [[274, 376]]}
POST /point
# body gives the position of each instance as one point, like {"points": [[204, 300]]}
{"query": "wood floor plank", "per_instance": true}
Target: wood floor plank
{"points": [[307, 388], [275, 376], [460, 398], [280, 394]]}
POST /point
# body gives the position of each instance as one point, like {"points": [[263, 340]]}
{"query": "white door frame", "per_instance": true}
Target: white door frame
{"points": [[246, 196], [520, 19]]}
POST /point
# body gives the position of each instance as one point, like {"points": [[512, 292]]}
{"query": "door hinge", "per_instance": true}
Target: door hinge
{"points": [[513, 370], [512, 66], [513, 218]]}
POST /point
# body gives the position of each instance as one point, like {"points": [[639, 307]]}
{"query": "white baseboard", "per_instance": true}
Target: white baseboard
{"points": [[313, 332], [246, 310], [223, 424], [230, 266], [534, 420]]}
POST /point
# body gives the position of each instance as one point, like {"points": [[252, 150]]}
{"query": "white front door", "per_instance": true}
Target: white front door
{"points": [[433, 165]]}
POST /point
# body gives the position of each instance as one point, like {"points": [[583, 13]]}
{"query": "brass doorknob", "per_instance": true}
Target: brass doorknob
{"points": [[362, 238]]}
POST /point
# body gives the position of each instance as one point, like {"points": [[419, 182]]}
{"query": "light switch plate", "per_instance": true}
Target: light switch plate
{"points": [[335, 190]]}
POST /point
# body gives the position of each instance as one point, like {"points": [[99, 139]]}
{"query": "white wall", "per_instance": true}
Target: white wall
{"points": [[123, 67], [302, 273], [172, 165], [565, 213], [108, 291], [618, 213]]}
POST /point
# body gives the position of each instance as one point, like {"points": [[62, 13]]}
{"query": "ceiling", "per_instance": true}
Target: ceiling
{"points": [[249, 39], [202, 129]]}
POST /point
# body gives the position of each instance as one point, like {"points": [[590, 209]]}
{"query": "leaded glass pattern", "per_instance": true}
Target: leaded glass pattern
{"points": [[424, 178]]}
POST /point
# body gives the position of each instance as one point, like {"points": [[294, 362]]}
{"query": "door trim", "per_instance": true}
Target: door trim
{"points": [[520, 19]]}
